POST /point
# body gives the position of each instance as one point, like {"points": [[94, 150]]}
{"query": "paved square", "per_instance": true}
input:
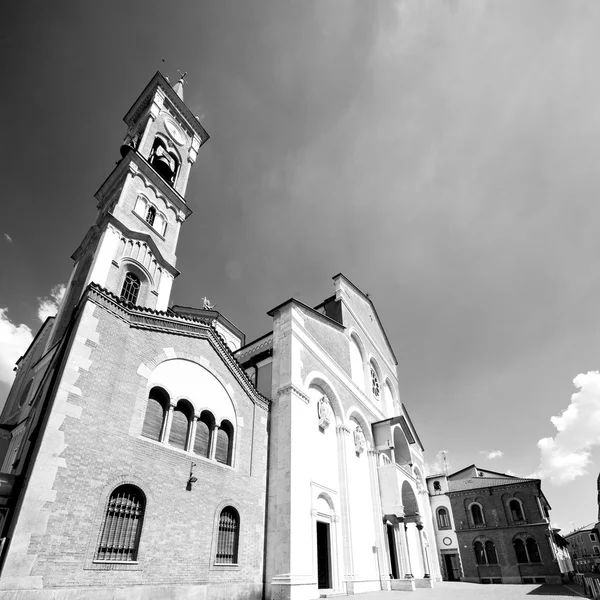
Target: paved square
{"points": [[475, 591]]}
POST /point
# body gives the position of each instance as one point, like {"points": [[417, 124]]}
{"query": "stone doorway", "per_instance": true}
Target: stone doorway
{"points": [[323, 556], [452, 567], [393, 551]]}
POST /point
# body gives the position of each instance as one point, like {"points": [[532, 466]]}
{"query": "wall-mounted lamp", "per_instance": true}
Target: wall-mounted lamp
{"points": [[192, 479]]}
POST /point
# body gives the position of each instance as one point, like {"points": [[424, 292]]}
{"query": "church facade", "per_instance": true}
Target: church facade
{"points": [[148, 451]]}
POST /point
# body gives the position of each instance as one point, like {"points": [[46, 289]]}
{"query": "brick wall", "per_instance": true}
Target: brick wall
{"points": [[501, 529], [99, 452]]}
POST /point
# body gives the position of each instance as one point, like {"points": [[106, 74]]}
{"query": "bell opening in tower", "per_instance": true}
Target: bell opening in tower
{"points": [[164, 162]]}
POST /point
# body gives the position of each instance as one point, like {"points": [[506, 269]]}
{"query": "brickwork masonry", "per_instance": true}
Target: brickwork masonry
{"points": [[33, 519]]}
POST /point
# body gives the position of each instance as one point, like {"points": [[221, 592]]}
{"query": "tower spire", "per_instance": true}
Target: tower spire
{"points": [[131, 248], [178, 87]]}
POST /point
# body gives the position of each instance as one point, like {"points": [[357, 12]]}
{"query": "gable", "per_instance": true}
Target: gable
{"points": [[359, 310]]}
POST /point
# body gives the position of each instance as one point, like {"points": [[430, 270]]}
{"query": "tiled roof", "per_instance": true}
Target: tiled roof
{"points": [[474, 483], [588, 527]]}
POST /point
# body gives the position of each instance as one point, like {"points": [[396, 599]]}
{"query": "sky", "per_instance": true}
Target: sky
{"points": [[442, 154]]}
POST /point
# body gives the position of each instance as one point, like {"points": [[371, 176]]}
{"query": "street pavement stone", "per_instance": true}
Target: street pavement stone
{"points": [[444, 590]]}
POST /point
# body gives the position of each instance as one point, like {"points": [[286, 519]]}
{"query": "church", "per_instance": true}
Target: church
{"points": [[151, 451]]}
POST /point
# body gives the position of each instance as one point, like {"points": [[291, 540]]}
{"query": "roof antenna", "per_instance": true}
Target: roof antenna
{"points": [[445, 463]]}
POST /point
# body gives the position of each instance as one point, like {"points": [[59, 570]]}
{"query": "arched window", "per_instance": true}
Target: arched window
{"points": [[520, 551], [532, 550], [131, 288], [151, 215], [516, 510], [443, 518], [375, 387], [229, 534], [122, 527], [180, 425], [204, 428], [490, 553], [437, 486], [155, 414], [224, 443], [356, 364], [477, 514], [479, 553]]}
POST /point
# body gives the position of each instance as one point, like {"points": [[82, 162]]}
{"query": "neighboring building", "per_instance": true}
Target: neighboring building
{"points": [[445, 534], [584, 546], [562, 552], [494, 528], [149, 452]]}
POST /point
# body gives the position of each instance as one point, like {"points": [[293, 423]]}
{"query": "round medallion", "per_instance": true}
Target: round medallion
{"points": [[447, 541], [174, 132]]}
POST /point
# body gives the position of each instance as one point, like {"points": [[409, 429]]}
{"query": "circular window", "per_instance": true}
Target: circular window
{"points": [[447, 541], [375, 384]]}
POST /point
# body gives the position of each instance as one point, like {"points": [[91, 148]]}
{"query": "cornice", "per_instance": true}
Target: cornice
{"points": [[520, 526], [123, 230], [489, 489], [146, 97], [291, 388], [135, 164], [264, 343], [202, 328]]}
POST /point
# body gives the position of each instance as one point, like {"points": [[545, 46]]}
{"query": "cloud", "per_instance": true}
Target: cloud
{"points": [[8, 238], [568, 454], [14, 340], [439, 465], [48, 306], [492, 454]]}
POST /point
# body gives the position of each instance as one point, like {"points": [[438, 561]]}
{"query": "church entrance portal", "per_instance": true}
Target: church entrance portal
{"points": [[452, 567], [393, 553], [323, 556]]}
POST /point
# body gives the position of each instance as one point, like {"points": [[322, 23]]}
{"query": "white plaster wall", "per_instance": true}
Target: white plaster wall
{"points": [[232, 340], [322, 447], [106, 252], [361, 511], [440, 534], [164, 291]]}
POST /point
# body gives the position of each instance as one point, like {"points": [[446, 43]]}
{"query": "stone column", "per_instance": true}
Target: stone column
{"points": [[423, 551], [192, 436], [403, 526], [382, 558], [168, 421], [400, 549], [213, 442]]}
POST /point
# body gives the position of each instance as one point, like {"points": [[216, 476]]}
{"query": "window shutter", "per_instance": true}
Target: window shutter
{"points": [[179, 428], [202, 441], [153, 420], [222, 452]]}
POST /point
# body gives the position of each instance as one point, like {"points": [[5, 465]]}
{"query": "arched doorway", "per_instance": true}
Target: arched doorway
{"points": [[324, 542]]}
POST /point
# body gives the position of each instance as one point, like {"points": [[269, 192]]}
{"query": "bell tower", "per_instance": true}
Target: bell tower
{"points": [[130, 249]]}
